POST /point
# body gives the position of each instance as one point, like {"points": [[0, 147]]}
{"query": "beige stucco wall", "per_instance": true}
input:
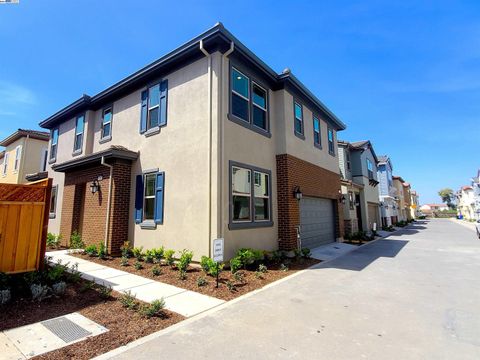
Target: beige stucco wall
{"points": [[11, 176], [180, 150]]}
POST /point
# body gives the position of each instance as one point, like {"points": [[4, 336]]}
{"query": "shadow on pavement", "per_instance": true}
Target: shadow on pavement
{"points": [[362, 257]]}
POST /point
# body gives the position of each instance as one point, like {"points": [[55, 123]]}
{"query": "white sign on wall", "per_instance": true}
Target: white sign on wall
{"points": [[218, 250]]}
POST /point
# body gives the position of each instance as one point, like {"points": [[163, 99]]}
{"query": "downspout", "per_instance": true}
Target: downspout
{"points": [[222, 140], [109, 200], [209, 57]]}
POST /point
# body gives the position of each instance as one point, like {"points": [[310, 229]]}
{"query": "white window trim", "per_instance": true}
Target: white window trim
{"points": [[5, 164], [145, 197], [249, 196], [18, 158]]}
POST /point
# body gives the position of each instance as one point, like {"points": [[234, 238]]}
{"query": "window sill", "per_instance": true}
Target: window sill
{"points": [[77, 152], [153, 131], [52, 161], [318, 146], [248, 125], [148, 225], [105, 139], [331, 153], [299, 135], [250, 225], [52, 216]]}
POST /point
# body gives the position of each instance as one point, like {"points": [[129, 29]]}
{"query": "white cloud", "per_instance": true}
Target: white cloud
{"points": [[12, 96]]}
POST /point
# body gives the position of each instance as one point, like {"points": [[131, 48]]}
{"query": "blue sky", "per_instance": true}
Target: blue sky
{"points": [[403, 74]]}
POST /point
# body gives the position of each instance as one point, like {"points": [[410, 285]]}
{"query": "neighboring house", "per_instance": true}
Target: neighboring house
{"points": [[429, 209], [358, 166], [207, 142], [415, 204], [407, 200], [466, 202], [476, 194], [388, 192], [25, 153], [400, 197]]}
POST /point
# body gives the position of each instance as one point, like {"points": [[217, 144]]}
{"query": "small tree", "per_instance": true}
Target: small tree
{"points": [[447, 196]]}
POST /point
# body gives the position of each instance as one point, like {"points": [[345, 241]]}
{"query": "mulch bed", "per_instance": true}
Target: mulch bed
{"points": [[124, 325], [171, 276]]}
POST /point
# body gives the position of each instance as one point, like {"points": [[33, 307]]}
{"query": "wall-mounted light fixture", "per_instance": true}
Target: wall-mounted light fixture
{"points": [[94, 186], [343, 199], [297, 193]]}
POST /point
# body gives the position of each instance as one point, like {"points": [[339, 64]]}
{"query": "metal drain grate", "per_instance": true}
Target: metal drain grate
{"points": [[65, 329]]}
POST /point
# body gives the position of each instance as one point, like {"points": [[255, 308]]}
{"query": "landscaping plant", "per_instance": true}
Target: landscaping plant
{"points": [[102, 251], [154, 309], [148, 256], [53, 241], [239, 276], [128, 300], [168, 254], [91, 250], [262, 268], [230, 286], [138, 253], [5, 294], [138, 265], [210, 266], [87, 285], [105, 291], [156, 271], [158, 254], [125, 249], [283, 267], [59, 288], [124, 261], [201, 281], [235, 264], [76, 241], [39, 292]]}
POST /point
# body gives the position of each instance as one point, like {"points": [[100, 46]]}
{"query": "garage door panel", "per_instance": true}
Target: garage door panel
{"points": [[317, 222]]}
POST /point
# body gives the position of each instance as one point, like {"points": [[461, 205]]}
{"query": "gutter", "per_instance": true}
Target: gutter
{"points": [[109, 200]]}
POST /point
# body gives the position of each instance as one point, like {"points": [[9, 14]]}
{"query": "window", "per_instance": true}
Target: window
{"points": [[79, 127], [53, 144], [107, 123], [241, 194], [249, 102], [5, 164], [53, 202], [316, 132], [43, 162], [250, 202], [351, 200], [149, 199], [370, 169], [18, 152], [154, 108], [349, 164], [331, 146], [298, 119]]}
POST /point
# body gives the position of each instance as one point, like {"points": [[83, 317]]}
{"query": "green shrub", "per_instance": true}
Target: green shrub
{"points": [[148, 256], [128, 300], [182, 275], [230, 286], [235, 264], [168, 254], [125, 249], [102, 251], [4, 281], [53, 241], [56, 273], [239, 276], [74, 275], [76, 241], [262, 268], [138, 253], [87, 285], [91, 250], [277, 256], [124, 261], [185, 260], [105, 292], [306, 253], [154, 309], [138, 265], [246, 256], [283, 267], [158, 254], [156, 271], [297, 253], [201, 281], [210, 267], [259, 274]]}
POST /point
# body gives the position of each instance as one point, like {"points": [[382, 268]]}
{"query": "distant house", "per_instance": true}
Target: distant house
{"points": [[466, 202], [429, 208], [388, 192], [25, 153]]}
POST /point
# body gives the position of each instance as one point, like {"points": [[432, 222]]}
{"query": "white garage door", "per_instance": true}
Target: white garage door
{"points": [[317, 222]]}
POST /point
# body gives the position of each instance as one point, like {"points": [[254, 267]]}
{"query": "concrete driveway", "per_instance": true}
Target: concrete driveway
{"points": [[415, 295]]}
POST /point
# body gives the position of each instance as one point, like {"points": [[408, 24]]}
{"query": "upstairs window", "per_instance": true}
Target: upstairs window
{"points": [[154, 108], [331, 145], [5, 164], [316, 132], [79, 128], [249, 103], [351, 200], [298, 119], [43, 163], [18, 153], [370, 169], [107, 123], [349, 164], [53, 144]]}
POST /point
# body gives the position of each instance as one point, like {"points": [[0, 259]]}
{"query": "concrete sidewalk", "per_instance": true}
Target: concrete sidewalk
{"points": [[414, 295], [181, 301]]}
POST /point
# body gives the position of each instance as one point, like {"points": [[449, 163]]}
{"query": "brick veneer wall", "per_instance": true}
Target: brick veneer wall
{"points": [[86, 213], [313, 181]]}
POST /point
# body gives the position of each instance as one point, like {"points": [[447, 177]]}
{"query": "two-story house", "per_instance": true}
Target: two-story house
{"points": [[414, 204], [476, 194], [388, 192], [466, 204], [25, 153], [400, 197], [358, 165], [207, 142]]}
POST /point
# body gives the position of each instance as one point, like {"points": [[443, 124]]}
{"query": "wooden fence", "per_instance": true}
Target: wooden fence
{"points": [[24, 212]]}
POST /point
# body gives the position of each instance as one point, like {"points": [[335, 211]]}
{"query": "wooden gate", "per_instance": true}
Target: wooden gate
{"points": [[24, 211]]}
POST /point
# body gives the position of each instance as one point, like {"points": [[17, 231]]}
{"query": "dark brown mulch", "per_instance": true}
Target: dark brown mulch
{"points": [[124, 325], [171, 276]]}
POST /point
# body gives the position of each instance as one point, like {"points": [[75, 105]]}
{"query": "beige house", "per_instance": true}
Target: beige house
{"points": [[207, 142], [25, 153], [466, 202]]}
